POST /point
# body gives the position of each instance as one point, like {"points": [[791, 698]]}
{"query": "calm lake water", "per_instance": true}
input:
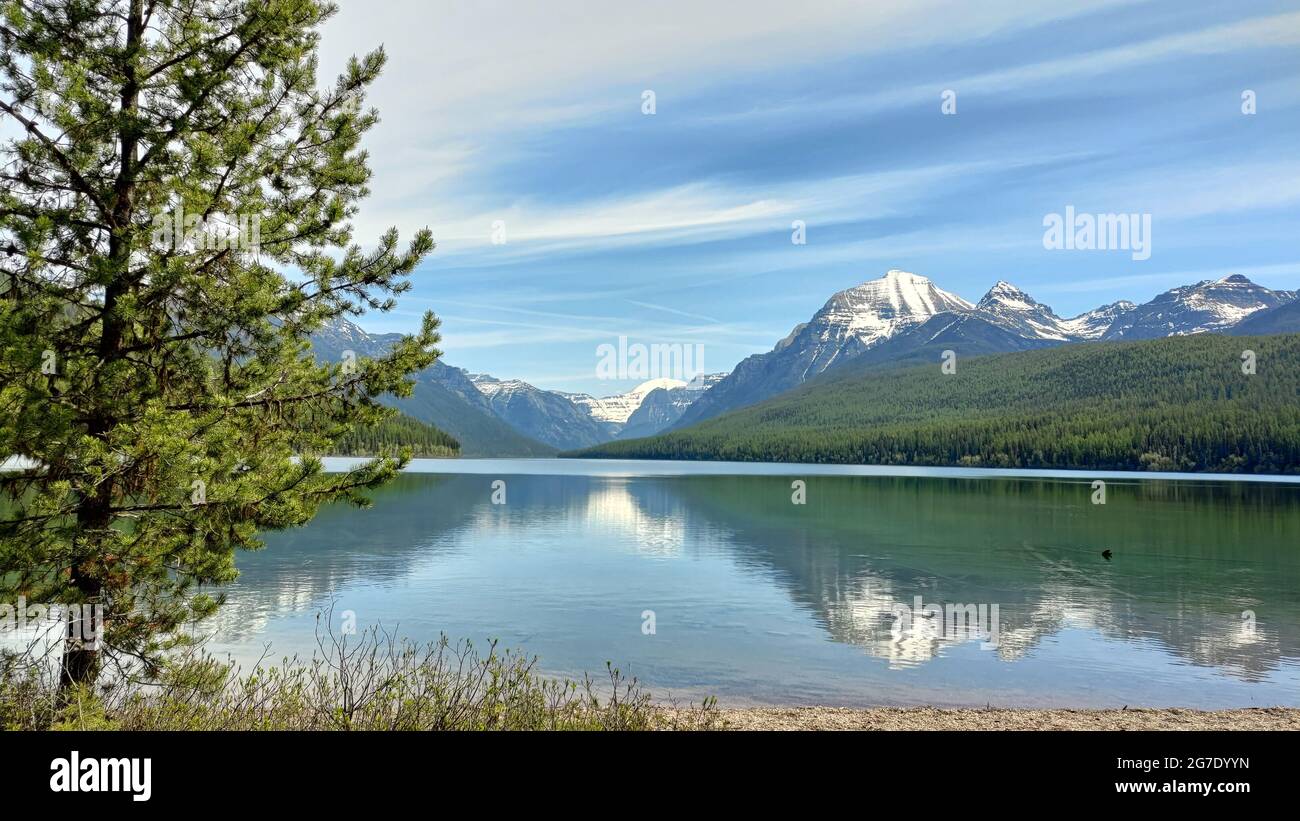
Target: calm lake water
{"points": [[759, 600]]}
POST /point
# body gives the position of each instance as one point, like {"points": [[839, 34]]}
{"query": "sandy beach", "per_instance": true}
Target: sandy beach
{"points": [[929, 718]]}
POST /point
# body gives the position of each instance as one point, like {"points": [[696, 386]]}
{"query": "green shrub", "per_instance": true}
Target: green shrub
{"points": [[371, 681]]}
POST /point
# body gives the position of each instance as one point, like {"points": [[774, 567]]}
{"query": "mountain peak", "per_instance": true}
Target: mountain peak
{"points": [[879, 308], [895, 283], [1233, 279], [1007, 294], [1011, 308], [490, 386], [898, 294]]}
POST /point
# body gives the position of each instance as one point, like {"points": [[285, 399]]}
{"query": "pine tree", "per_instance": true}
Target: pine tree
{"points": [[174, 222]]}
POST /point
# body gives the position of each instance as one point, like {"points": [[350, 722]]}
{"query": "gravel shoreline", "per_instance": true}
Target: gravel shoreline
{"points": [[931, 718]]}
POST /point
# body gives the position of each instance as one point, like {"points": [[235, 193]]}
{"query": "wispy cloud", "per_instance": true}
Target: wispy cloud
{"points": [[666, 309], [706, 211], [677, 226]]}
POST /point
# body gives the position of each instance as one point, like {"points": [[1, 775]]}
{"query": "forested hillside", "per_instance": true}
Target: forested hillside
{"points": [[1181, 403], [395, 432]]}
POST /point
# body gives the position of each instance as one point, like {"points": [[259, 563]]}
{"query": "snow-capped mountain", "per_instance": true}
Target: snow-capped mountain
{"points": [[1094, 324], [662, 407], [903, 318], [490, 386], [618, 408], [849, 324], [1009, 307], [547, 416], [1207, 307], [569, 421], [869, 313]]}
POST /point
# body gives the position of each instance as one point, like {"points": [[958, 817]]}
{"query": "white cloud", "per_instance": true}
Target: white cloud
{"points": [[699, 212], [1261, 32], [1197, 192], [1277, 30], [459, 72], [456, 74], [456, 65]]}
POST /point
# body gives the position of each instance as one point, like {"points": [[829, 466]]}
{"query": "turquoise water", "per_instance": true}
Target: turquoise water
{"points": [[756, 599]]}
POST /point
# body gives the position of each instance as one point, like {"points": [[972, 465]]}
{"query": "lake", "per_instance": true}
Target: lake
{"points": [[758, 600]]}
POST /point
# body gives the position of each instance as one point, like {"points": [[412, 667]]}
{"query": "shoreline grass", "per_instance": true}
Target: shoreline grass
{"points": [[371, 681]]}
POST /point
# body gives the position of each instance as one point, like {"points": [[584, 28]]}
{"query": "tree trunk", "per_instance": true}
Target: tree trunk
{"points": [[82, 633], [81, 655], [80, 651]]}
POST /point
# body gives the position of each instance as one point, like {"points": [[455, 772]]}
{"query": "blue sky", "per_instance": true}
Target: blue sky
{"points": [[676, 226]]}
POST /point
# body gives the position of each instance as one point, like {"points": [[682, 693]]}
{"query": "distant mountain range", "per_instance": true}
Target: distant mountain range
{"points": [[443, 396], [897, 320], [903, 318], [509, 417]]}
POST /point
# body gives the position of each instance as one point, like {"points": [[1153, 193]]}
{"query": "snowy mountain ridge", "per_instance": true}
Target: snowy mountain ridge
{"points": [[900, 314], [900, 317]]}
